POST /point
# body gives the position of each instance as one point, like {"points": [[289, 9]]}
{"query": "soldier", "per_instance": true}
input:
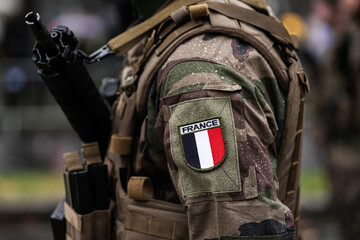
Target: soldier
{"points": [[204, 114], [206, 133]]}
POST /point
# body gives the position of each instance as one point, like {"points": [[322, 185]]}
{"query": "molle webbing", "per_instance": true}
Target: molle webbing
{"points": [[154, 226], [156, 222], [292, 198]]}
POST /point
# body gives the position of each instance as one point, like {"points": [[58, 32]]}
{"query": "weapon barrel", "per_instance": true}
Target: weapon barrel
{"points": [[41, 34]]}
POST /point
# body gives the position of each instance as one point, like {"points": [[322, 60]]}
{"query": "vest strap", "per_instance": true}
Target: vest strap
{"points": [[254, 18], [123, 42]]}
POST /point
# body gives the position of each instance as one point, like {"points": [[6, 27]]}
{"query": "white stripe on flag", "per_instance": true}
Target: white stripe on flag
{"points": [[204, 149]]}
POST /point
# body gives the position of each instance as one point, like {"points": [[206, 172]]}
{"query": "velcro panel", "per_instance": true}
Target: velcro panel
{"points": [[91, 153], [73, 161], [120, 145]]}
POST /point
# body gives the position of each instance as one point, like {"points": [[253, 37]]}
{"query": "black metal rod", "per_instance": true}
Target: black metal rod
{"points": [[41, 34]]}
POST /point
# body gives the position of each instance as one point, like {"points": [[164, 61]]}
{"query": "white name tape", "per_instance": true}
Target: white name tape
{"points": [[199, 126]]}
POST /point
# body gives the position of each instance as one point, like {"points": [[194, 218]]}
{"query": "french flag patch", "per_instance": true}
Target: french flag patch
{"points": [[203, 144]]}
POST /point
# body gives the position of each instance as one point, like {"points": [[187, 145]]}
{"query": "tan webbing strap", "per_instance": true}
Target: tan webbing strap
{"points": [[140, 188], [73, 161], [254, 18], [71, 217], [91, 153], [292, 185], [123, 42], [120, 145], [293, 174], [156, 226]]}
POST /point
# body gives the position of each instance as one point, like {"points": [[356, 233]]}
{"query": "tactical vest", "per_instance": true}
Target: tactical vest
{"points": [[137, 214]]}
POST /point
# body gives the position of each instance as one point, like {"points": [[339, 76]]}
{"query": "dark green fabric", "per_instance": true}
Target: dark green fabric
{"points": [[184, 69], [267, 197]]}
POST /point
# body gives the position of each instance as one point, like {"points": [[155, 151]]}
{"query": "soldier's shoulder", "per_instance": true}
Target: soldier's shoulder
{"points": [[210, 58]]}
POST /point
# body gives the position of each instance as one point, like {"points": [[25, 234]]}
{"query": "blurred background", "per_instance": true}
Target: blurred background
{"points": [[34, 133]]}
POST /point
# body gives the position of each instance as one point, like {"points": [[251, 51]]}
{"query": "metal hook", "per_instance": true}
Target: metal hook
{"points": [[98, 55]]}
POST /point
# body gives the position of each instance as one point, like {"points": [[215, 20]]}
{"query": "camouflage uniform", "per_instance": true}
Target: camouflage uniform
{"points": [[222, 78], [207, 129]]}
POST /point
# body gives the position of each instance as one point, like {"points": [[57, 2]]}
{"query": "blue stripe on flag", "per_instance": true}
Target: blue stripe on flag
{"points": [[190, 149]]}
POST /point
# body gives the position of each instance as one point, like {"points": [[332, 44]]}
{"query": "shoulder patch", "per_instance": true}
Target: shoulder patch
{"points": [[203, 144]]}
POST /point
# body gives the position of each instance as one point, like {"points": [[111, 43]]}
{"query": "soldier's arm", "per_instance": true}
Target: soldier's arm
{"points": [[220, 120]]}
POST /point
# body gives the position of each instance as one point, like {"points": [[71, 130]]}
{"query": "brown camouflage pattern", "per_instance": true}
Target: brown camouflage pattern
{"points": [[205, 69], [217, 66]]}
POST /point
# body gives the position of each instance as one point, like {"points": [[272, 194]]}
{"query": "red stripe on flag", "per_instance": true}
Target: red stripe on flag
{"points": [[217, 144]]}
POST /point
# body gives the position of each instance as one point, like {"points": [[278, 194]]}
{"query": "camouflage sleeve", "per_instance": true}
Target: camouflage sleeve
{"points": [[220, 120]]}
